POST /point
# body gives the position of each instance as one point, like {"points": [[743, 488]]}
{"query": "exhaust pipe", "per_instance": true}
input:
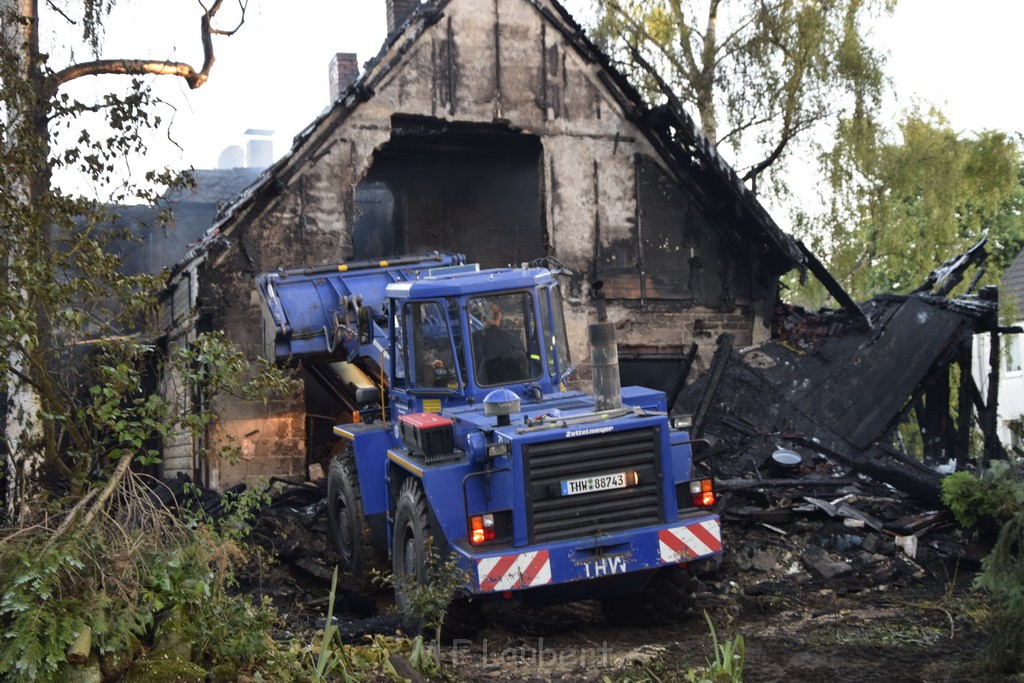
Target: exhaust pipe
{"points": [[604, 355]]}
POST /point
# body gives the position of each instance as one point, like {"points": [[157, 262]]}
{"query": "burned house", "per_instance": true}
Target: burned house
{"points": [[493, 128]]}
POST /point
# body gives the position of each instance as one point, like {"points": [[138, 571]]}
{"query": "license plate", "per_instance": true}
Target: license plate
{"points": [[604, 482]]}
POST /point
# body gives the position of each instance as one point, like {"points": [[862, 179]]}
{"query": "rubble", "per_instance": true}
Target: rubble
{"points": [[834, 392], [851, 512]]}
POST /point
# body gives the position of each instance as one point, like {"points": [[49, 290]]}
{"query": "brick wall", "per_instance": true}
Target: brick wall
{"points": [[398, 12], [343, 72]]}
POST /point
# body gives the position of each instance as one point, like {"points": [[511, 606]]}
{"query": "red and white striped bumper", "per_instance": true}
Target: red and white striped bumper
{"points": [[685, 543], [510, 572]]}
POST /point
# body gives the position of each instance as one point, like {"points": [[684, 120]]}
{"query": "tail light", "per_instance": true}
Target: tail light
{"points": [[490, 526], [481, 529], [702, 493]]}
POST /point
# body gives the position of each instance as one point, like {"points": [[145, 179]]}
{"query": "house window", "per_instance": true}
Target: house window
{"points": [[1012, 353], [1015, 427]]}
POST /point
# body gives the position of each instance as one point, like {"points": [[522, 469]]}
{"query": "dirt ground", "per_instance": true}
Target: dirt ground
{"points": [[820, 636], [816, 598], [801, 629]]}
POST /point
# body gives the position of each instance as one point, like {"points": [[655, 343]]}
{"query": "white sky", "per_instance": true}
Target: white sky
{"points": [[964, 57]]}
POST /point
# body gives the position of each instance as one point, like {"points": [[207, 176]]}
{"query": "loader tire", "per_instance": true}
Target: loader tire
{"points": [[409, 538], [667, 599], [412, 539], [349, 528]]}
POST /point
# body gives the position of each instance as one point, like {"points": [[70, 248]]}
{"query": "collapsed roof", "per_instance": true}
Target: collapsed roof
{"points": [[829, 385]]}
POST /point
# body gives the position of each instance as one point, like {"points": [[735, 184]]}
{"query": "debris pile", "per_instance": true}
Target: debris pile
{"points": [[856, 537], [807, 455], [834, 391]]}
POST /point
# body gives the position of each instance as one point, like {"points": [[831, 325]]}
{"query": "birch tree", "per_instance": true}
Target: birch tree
{"points": [[758, 75], [901, 202], [61, 287]]}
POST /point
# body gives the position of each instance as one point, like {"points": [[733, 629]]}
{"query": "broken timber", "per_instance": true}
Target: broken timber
{"points": [[840, 386]]}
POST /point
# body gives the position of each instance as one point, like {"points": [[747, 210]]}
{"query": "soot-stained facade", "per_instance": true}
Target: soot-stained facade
{"points": [[493, 128]]}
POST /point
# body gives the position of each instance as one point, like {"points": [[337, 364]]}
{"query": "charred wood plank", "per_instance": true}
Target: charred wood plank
{"points": [[718, 364], [878, 464], [803, 482], [965, 408], [833, 287], [859, 399], [947, 276], [685, 365], [934, 420], [989, 429], [918, 524]]}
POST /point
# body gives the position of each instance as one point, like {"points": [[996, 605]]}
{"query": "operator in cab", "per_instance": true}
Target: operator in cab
{"points": [[499, 355]]}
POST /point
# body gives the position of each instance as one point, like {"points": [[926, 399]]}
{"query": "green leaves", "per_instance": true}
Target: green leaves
{"points": [[125, 574], [998, 497], [759, 76], [903, 203]]}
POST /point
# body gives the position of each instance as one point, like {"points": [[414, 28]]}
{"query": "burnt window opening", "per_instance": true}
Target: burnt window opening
{"points": [[474, 189]]}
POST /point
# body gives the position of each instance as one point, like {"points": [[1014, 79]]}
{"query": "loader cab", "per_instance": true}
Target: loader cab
{"points": [[458, 335]]}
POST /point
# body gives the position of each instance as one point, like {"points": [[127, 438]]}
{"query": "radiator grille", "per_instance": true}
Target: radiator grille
{"points": [[554, 516]]}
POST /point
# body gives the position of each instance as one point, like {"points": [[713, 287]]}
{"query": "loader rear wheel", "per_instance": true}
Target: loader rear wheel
{"points": [[667, 599], [350, 530], [412, 540], [409, 539]]}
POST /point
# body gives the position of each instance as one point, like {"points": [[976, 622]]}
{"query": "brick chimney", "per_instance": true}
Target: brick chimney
{"points": [[344, 71], [398, 12]]}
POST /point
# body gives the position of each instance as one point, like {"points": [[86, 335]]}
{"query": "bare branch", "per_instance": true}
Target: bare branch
{"points": [[131, 67], [243, 5], [743, 127], [785, 137], [138, 67], [58, 10]]}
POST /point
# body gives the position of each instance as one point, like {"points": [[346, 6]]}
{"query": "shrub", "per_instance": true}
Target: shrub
{"points": [[123, 567], [999, 498]]}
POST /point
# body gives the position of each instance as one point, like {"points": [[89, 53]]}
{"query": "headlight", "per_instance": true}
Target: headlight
{"points": [[682, 421], [498, 449]]}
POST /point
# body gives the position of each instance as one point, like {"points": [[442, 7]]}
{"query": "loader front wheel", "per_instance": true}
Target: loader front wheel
{"points": [[349, 528], [412, 542], [409, 540]]}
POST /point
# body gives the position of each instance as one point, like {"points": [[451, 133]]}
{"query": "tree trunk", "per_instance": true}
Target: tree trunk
{"points": [[23, 425]]}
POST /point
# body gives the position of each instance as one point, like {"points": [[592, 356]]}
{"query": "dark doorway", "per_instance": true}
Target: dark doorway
{"points": [[466, 188]]}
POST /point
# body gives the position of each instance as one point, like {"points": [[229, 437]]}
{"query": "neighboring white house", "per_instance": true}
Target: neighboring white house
{"points": [[1011, 369]]}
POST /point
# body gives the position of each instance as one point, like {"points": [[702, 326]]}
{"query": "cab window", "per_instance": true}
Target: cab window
{"points": [[505, 340], [428, 331]]}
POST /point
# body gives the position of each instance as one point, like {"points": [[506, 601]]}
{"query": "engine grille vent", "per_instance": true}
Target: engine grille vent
{"points": [[554, 516]]}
